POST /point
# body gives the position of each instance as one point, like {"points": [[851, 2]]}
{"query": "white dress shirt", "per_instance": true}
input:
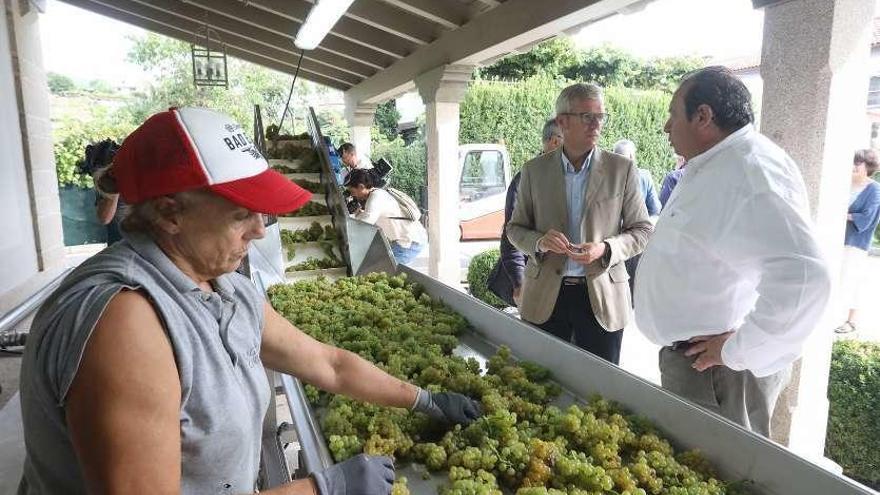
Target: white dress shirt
{"points": [[576, 182], [734, 250]]}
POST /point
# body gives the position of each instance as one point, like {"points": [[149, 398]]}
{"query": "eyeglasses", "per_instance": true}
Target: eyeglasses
{"points": [[588, 118]]}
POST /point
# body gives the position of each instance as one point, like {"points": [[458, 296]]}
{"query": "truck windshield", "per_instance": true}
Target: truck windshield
{"points": [[482, 175]]}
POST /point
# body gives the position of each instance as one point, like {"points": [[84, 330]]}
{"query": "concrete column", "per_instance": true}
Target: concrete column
{"points": [[360, 119], [441, 90], [32, 92], [814, 65]]}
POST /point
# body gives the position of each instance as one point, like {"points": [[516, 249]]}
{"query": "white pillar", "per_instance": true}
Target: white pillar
{"points": [[360, 118], [441, 90], [814, 65]]}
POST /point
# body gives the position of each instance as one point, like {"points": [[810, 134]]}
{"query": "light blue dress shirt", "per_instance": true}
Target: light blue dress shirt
{"points": [[575, 190]]}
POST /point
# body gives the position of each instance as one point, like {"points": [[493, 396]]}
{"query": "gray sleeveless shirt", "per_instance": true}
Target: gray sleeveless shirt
{"points": [[216, 341]]}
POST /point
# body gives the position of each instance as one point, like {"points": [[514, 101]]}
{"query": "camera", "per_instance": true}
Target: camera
{"points": [[379, 172], [98, 155], [351, 203]]}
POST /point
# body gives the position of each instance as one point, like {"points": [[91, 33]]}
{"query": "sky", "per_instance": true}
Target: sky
{"points": [[718, 29], [86, 46]]}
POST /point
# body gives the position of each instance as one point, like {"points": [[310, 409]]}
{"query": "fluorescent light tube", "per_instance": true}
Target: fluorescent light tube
{"points": [[320, 20]]}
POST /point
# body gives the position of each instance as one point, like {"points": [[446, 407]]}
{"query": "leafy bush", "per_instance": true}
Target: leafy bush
{"points": [[854, 393], [478, 276], [551, 57], [72, 136], [639, 115], [509, 113], [604, 65], [409, 162], [514, 113]]}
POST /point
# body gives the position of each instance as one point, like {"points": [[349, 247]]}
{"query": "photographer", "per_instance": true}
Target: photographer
{"points": [[99, 157], [381, 208]]}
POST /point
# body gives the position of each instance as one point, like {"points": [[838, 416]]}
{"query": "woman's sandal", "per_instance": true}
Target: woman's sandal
{"points": [[847, 327]]}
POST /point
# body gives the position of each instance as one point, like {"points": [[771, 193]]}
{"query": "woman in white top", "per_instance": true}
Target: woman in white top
{"points": [[407, 237]]}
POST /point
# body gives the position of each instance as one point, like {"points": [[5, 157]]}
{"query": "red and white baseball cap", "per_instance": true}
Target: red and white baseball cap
{"points": [[191, 148]]}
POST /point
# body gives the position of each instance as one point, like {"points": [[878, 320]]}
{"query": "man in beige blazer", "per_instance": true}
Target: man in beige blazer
{"points": [[579, 215]]}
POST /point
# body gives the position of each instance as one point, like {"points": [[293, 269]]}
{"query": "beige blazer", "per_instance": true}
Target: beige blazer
{"points": [[615, 213]]}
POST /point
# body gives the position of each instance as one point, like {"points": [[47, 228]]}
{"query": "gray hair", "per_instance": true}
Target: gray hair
{"points": [[144, 217], [575, 92], [551, 129], [626, 148]]}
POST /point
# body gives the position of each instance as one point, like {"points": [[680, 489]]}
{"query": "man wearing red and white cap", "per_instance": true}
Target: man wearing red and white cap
{"points": [[144, 369]]}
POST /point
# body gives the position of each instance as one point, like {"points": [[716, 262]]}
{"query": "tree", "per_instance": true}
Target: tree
{"points": [[72, 134], [59, 83], [386, 119], [551, 58], [610, 66], [169, 60], [604, 65]]}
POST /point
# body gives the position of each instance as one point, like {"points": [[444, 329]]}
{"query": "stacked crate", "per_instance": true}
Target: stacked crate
{"points": [[306, 255]]}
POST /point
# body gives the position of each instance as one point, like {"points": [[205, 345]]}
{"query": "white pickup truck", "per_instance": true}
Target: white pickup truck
{"points": [[484, 175]]}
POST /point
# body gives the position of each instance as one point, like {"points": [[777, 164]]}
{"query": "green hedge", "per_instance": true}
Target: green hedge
{"points": [[853, 439], [409, 162], [514, 113], [478, 275]]}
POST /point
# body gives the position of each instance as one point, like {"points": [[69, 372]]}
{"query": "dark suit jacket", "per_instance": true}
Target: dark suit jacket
{"points": [[512, 260]]}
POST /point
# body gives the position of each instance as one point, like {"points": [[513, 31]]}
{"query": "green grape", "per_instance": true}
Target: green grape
{"points": [[522, 442], [399, 487]]}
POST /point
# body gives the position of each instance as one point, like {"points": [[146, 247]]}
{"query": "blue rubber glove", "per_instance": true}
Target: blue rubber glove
{"points": [[360, 475], [449, 407]]}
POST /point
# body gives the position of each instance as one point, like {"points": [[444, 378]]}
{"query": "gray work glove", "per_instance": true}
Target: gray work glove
{"points": [[360, 475], [448, 407]]}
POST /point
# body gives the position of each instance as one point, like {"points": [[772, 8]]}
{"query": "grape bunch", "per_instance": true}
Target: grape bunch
{"points": [[524, 443]]}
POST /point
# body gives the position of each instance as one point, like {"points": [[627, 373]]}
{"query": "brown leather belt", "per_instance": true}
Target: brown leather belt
{"points": [[574, 280]]}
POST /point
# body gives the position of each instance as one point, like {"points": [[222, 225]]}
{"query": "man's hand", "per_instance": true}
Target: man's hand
{"points": [[448, 407], [707, 348], [554, 241], [587, 252], [517, 296], [361, 474]]}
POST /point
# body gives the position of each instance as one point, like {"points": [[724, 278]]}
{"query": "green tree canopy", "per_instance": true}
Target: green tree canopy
{"points": [[551, 57], [386, 119], [59, 83], [604, 65], [170, 61]]}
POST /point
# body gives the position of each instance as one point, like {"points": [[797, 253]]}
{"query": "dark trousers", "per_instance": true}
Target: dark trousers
{"points": [[573, 321]]}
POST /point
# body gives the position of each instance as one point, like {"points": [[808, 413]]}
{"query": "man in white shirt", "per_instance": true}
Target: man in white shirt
{"points": [[733, 281]]}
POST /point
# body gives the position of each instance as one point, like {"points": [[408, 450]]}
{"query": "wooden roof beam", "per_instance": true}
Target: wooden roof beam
{"points": [[347, 29], [258, 20], [449, 14], [183, 30], [386, 18], [227, 27]]}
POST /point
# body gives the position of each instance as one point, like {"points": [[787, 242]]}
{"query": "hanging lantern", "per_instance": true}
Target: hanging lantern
{"points": [[209, 59]]}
